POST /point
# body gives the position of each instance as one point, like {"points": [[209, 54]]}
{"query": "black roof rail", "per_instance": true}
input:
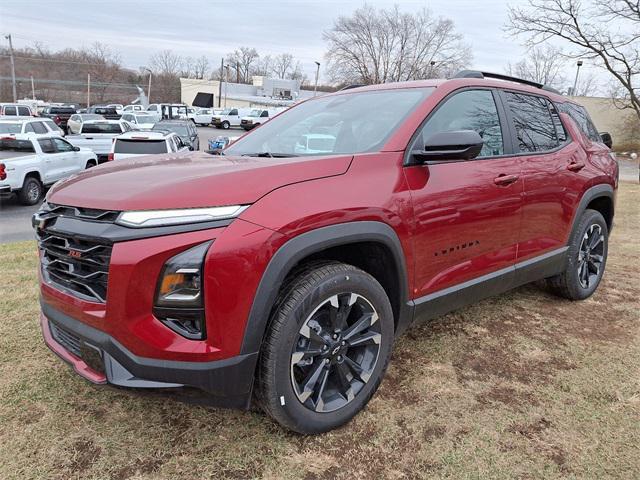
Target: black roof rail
{"points": [[500, 76]]}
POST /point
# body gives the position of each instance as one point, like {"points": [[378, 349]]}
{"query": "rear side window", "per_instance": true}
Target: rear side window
{"points": [[581, 117], [10, 111], [39, 127], [140, 147], [47, 146], [467, 110], [101, 128], [535, 128]]}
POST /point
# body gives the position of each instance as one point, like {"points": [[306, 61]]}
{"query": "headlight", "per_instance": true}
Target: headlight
{"points": [[179, 303], [160, 218]]}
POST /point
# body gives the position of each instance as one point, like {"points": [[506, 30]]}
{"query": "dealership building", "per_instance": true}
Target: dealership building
{"points": [[262, 92]]}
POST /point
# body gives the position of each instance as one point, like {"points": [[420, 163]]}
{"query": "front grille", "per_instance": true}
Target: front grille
{"points": [[77, 266], [65, 338], [91, 214]]}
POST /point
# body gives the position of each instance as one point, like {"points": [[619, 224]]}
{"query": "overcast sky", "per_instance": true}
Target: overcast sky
{"points": [[137, 29]]}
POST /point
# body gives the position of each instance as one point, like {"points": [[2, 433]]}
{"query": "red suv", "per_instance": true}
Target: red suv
{"points": [[282, 270]]}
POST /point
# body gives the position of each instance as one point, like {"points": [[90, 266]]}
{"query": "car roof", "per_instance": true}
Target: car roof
{"points": [[146, 135], [455, 83], [112, 122]]}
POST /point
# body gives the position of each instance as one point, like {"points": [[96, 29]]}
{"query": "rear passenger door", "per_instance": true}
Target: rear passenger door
{"points": [[550, 188], [467, 212]]}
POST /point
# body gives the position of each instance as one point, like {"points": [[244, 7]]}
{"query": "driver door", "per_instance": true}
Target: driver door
{"points": [[468, 212], [69, 160]]}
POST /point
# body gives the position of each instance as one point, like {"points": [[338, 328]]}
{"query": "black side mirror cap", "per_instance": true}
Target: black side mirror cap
{"points": [[606, 139], [450, 146], [76, 149]]}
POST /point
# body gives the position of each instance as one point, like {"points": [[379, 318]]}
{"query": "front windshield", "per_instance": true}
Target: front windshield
{"points": [[10, 128], [172, 127], [336, 124]]}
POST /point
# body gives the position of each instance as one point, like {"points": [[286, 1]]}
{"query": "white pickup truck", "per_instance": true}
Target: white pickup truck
{"points": [[28, 164], [258, 116], [98, 135]]}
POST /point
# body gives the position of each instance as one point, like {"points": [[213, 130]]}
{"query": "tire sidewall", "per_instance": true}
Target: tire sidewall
{"points": [[25, 189], [299, 417], [225, 125], [589, 218]]}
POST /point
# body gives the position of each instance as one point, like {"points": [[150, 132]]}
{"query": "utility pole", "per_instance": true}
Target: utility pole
{"points": [[149, 87], [33, 89], [88, 90], [220, 82], [315, 88], [13, 68], [226, 67]]}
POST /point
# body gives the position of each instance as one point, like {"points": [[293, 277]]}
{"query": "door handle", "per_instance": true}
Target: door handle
{"points": [[575, 166], [504, 180]]}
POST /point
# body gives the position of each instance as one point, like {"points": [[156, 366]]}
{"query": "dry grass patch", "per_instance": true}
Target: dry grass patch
{"points": [[524, 385]]}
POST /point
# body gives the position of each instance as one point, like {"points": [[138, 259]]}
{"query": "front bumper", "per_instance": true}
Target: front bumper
{"points": [[101, 359]]}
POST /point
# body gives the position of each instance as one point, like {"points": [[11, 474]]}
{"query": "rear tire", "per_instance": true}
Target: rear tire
{"points": [[90, 164], [326, 349], [586, 258], [31, 191]]}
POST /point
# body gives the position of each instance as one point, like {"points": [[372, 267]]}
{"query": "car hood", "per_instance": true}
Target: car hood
{"points": [[196, 179]]}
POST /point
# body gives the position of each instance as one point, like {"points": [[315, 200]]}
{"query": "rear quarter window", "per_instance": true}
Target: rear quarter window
{"points": [[13, 145], [579, 115]]}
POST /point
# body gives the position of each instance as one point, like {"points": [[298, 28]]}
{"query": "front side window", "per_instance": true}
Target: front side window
{"points": [[61, 145], [39, 127], [468, 110], [346, 123], [534, 126], [24, 111], [233, 112]]}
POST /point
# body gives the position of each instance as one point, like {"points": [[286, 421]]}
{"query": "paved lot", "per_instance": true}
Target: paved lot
{"points": [[15, 219]]}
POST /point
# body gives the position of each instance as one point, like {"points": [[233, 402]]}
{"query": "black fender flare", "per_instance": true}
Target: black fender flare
{"points": [[597, 191], [303, 245]]}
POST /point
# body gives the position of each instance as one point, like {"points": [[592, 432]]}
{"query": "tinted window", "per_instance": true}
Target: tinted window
{"points": [[12, 145], [101, 128], [11, 128], [47, 145], [358, 122], [62, 110], [535, 130], [24, 111], [152, 108], [39, 127], [468, 110], [233, 112], [62, 145], [264, 114], [140, 147], [10, 110], [581, 117], [52, 126]]}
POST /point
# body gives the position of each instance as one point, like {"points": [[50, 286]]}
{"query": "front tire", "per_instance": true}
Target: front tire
{"points": [[31, 191], [226, 125], [326, 349], [586, 258]]}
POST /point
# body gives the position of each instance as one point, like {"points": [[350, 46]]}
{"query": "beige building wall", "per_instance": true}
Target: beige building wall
{"points": [[623, 125], [190, 88]]}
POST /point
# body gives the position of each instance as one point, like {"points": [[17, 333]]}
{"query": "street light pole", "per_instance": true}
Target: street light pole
{"points": [[13, 68], [575, 82], [315, 88]]}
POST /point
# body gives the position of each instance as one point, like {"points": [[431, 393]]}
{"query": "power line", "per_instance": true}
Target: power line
{"points": [[37, 59], [73, 82]]}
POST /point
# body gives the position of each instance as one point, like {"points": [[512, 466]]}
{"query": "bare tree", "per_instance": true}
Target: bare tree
{"points": [[264, 66], [201, 67], [606, 31], [166, 67], [542, 65], [282, 64], [165, 63], [243, 60], [377, 46]]}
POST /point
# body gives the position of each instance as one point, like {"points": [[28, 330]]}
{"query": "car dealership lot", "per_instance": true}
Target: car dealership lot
{"points": [[521, 385]]}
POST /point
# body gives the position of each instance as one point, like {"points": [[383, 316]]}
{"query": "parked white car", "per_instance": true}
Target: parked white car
{"points": [[75, 121], [258, 116], [98, 135], [36, 126], [175, 111], [137, 144], [15, 110], [139, 120], [315, 143], [230, 117], [28, 164], [133, 108]]}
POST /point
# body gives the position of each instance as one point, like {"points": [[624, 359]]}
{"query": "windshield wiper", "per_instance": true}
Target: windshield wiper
{"points": [[268, 154]]}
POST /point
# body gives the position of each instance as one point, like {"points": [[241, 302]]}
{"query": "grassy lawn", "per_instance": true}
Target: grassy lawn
{"points": [[524, 385]]}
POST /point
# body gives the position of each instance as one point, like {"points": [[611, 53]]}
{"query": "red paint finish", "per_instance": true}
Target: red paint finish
{"points": [[455, 221]]}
